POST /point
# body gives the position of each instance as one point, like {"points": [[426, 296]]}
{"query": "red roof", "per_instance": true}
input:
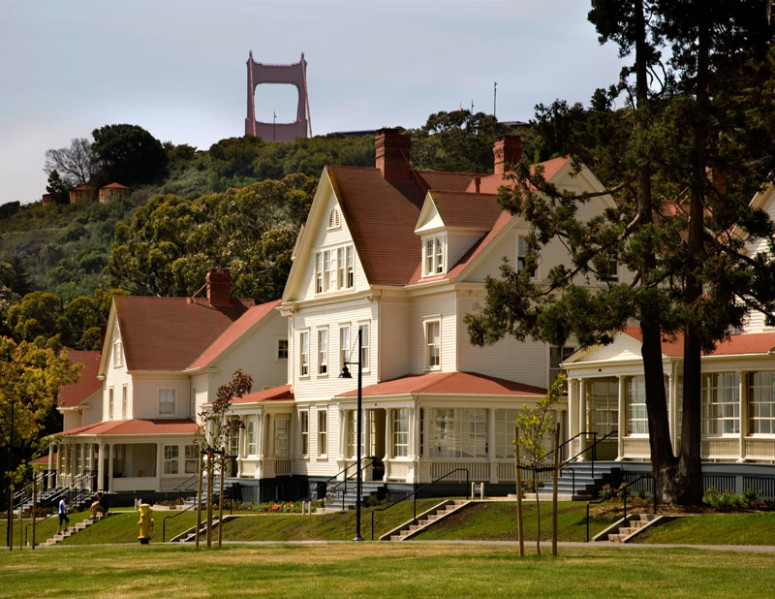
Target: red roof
{"points": [[749, 343], [381, 215], [88, 383], [236, 330], [491, 183], [467, 210], [169, 333], [136, 427], [449, 383], [115, 185], [272, 394]]}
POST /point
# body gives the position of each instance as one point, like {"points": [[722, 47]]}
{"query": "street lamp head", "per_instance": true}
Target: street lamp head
{"points": [[345, 374]]}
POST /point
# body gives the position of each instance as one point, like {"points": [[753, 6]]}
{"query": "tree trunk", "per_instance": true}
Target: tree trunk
{"points": [[663, 461], [690, 466]]}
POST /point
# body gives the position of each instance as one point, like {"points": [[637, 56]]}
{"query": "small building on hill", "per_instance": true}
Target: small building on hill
{"points": [[113, 192], [82, 194]]}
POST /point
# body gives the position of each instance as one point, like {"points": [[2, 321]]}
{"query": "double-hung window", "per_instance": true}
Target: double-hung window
{"points": [[344, 345], [250, 434], [433, 345], [323, 351], [191, 453], [166, 402], [322, 432], [170, 459], [400, 432], [304, 432], [334, 269], [434, 249], [304, 353], [364, 357]]}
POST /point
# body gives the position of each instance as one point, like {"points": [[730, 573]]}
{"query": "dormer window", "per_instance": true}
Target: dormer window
{"points": [[434, 250], [334, 220]]}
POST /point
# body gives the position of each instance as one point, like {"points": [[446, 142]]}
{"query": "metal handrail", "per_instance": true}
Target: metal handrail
{"points": [[164, 522], [414, 495], [342, 481], [623, 489]]}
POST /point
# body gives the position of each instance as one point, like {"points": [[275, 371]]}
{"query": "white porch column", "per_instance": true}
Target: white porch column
{"points": [[582, 417], [672, 409], [742, 412], [159, 464], [47, 480], [491, 445], [110, 466], [622, 418], [100, 465]]}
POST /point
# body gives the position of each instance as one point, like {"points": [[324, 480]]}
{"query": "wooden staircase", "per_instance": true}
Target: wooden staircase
{"points": [[69, 532], [435, 514]]}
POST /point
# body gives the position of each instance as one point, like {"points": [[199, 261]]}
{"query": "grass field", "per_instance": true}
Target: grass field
{"points": [[381, 570]]}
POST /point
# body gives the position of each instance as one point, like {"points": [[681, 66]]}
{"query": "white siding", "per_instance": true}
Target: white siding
{"points": [[394, 337], [440, 307], [145, 394], [524, 362]]}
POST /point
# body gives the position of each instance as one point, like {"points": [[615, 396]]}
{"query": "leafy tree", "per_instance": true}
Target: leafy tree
{"points": [[76, 165], [217, 428], [129, 154], [532, 426], [30, 378], [169, 243], [58, 188], [456, 141], [671, 224]]}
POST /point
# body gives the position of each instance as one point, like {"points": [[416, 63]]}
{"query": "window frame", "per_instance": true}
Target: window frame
{"points": [[171, 463], [399, 432], [719, 411], [322, 432], [281, 443], [344, 348], [434, 257], [365, 355], [281, 347], [165, 401], [758, 397], [304, 354], [323, 351], [193, 449], [304, 432], [251, 437], [432, 350]]}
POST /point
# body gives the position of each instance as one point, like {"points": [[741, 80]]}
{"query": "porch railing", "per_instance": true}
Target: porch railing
{"points": [[340, 486]]}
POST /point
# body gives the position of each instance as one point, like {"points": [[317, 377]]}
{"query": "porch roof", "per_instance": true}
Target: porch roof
{"points": [[273, 393], [135, 427], [745, 344], [449, 383]]}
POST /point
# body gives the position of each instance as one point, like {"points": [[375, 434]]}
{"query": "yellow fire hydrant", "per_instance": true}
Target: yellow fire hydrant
{"points": [[146, 524]]}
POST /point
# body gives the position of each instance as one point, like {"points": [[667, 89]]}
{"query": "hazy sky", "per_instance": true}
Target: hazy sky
{"points": [[177, 68]]}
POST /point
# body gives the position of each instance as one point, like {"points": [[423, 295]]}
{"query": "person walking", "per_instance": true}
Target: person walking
{"points": [[63, 519]]}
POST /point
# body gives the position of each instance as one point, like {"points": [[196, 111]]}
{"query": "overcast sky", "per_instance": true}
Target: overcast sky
{"points": [[177, 68]]}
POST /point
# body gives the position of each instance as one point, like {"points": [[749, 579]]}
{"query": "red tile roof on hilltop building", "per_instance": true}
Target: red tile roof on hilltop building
{"points": [[236, 330], [72, 395], [746, 344], [169, 333], [449, 383], [136, 427]]}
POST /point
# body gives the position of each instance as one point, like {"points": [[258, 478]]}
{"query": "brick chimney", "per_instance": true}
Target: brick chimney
{"points": [[507, 152], [393, 151], [219, 287]]}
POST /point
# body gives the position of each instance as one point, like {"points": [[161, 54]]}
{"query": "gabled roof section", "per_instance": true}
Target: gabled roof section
{"points": [[136, 427], [491, 183], [169, 333], [283, 392], [252, 317], [458, 210], [381, 215], [449, 383], [87, 385]]}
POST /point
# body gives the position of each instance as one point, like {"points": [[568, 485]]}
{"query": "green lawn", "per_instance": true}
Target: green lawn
{"points": [[498, 522], [716, 529], [381, 570]]}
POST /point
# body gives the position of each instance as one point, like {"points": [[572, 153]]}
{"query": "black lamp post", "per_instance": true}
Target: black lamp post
{"points": [[346, 375]]}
